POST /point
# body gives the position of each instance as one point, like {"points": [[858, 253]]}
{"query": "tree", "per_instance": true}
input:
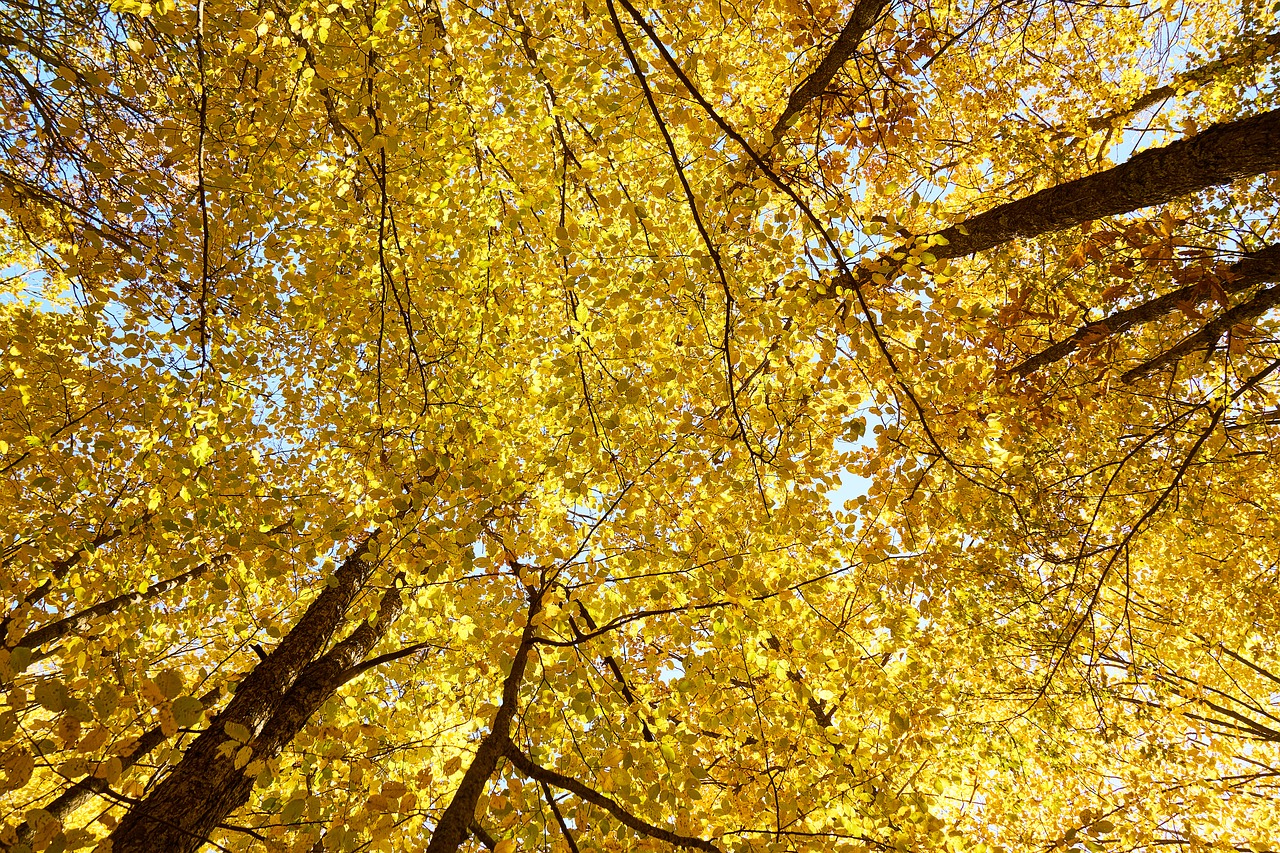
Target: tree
{"points": [[418, 422]]}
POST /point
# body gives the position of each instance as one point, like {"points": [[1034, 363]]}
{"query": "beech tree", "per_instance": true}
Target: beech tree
{"points": [[423, 425]]}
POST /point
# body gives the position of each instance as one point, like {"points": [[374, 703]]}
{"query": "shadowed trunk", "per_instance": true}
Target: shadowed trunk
{"points": [[184, 825], [1219, 155], [191, 799]]}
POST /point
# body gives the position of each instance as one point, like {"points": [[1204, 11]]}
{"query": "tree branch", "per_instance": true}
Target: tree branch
{"points": [[455, 823], [555, 810], [1262, 301], [76, 621], [81, 792], [1198, 76], [1254, 268], [369, 664], [526, 765], [865, 14]]}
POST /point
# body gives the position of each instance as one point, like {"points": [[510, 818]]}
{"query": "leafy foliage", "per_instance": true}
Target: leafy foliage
{"points": [[420, 424]]}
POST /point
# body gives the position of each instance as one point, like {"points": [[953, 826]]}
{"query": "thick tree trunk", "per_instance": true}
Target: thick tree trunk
{"points": [[182, 826], [1218, 155], [188, 802]]}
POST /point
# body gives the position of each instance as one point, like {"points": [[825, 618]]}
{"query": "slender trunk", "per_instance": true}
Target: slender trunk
{"points": [[1253, 269], [174, 813], [455, 824], [865, 14]]}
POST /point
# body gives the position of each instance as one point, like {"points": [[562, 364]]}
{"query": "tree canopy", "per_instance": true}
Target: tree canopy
{"points": [[609, 426]]}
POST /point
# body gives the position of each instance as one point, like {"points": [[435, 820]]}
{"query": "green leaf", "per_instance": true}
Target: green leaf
{"points": [[237, 732], [19, 659], [292, 810]]}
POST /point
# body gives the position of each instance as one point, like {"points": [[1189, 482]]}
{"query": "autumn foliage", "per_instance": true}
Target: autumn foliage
{"points": [[597, 426]]}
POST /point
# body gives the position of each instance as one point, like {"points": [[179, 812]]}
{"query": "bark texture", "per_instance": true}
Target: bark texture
{"points": [[196, 795], [1218, 155], [313, 687]]}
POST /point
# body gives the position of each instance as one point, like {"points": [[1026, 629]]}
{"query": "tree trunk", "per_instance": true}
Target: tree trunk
{"points": [[1219, 155], [460, 815], [188, 802], [184, 825]]}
